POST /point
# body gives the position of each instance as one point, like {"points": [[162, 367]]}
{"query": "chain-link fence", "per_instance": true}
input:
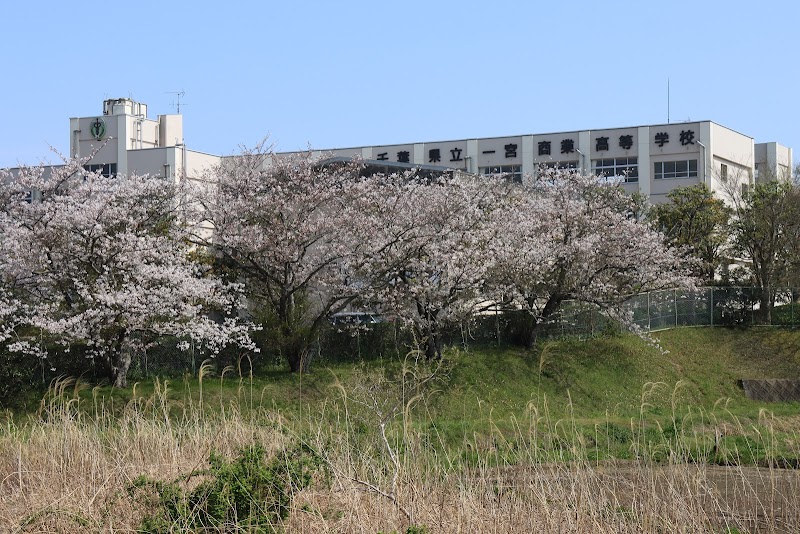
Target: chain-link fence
{"points": [[714, 306], [657, 310]]}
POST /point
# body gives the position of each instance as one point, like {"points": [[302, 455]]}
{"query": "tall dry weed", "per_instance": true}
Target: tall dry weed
{"points": [[68, 468]]}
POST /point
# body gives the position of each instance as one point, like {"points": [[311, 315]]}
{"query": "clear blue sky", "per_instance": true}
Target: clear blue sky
{"points": [[337, 74]]}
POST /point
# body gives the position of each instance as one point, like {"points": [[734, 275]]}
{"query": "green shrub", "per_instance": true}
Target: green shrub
{"points": [[19, 376], [247, 492]]}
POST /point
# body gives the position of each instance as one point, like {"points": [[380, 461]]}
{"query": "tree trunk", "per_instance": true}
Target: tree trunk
{"points": [[119, 368], [295, 362], [429, 340], [120, 360], [532, 333], [765, 303], [427, 332], [535, 323], [432, 344], [299, 359]]}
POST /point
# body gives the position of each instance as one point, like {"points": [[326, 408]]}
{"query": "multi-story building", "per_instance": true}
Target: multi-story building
{"points": [[652, 159], [125, 141]]}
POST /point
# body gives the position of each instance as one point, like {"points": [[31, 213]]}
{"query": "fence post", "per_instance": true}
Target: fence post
{"points": [[649, 323], [675, 303], [712, 305], [497, 322]]}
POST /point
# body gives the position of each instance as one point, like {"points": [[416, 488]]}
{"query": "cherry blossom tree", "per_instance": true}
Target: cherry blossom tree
{"points": [[103, 262], [286, 227], [432, 247], [570, 236], [308, 239], [13, 314]]}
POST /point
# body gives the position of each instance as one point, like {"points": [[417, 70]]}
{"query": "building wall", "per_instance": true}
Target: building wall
{"points": [[135, 143], [663, 156], [151, 161], [199, 162], [645, 148], [732, 162], [773, 160], [658, 152]]}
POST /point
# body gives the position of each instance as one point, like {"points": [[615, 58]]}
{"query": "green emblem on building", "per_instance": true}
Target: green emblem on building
{"points": [[98, 129]]}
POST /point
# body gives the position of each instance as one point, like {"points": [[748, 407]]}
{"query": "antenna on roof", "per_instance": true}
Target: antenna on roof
{"points": [[667, 100], [178, 95]]}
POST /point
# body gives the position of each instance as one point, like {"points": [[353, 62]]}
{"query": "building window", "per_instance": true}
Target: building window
{"points": [[559, 165], [723, 171], [512, 172], [666, 170], [628, 168], [105, 169]]}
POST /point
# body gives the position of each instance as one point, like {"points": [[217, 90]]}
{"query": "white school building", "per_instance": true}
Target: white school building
{"points": [[654, 159]]}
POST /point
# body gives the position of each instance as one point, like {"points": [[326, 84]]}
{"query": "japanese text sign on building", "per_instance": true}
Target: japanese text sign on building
{"points": [[544, 148]]}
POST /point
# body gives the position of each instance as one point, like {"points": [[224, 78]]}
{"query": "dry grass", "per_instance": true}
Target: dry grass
{"points": [[68, 470]]}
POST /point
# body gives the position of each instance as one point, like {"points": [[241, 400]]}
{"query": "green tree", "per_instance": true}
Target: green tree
{"points": [[695, 221], [766, 231]]}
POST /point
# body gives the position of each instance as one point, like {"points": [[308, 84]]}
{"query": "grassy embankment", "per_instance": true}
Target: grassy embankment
{"points": [[617, 383], [496, 439]]}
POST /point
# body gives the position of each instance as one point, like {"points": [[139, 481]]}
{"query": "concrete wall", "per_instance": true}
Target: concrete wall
{"points": [[709, 144], [148, 161], [732, 162], [773, 160], [199, 162], [170, 130], [138, 144]]}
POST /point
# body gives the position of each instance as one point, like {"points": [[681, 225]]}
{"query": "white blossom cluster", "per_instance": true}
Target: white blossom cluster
{"points": [[103, 262], [308, 239], [571, 236]]}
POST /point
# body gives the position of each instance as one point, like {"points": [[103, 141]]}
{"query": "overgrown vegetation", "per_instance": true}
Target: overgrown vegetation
{"points": [[608, 434], [248, 492]]}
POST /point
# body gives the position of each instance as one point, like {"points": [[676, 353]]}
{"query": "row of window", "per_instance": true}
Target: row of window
{"points": [[559, 165], [512, 172], [105, 169], [626, 168], [665, 170]]}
